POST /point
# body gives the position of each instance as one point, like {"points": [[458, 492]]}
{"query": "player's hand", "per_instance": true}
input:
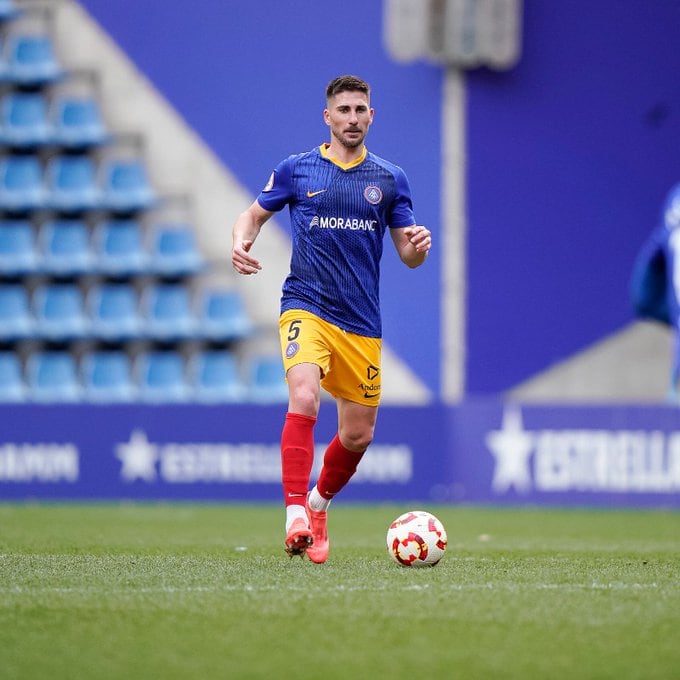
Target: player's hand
{"points": [[242, 262], [420, 238]]}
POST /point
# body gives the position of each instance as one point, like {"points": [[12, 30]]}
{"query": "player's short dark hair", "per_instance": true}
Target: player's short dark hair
{"points": [[347, 84]]}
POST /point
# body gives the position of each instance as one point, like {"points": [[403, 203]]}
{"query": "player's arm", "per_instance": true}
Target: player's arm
{"points": [[245, 231], [412, 243]]}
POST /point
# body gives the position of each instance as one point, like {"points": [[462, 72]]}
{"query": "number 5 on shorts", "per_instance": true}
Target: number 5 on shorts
{"points": [[294, 329]]}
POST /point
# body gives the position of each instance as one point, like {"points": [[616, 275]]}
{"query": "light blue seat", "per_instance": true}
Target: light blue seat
{"points": [[24, 120], [126, 187], [174, 251], [77, 123], [215, 377], [16, 318], [12, 385], [223, 316], [9, 10], [65, 248], [21, 184], [32, 60], [72, 184], [59, 310], [168, 311], [119, 248], [113, 312], [107, 377], [18, 254], [52, 377], [267, 383], [160, 377]]}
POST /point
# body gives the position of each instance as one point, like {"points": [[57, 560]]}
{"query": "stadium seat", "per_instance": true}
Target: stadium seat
{"points": [[53, 377], [174, 251], [9, 10], [222, 316], [168, 311], [126, 187], [107, 377], [16, 319], [214, 377], [119, 248], [32, 61], [77, 123], [18, 254], [160, 377], [113, 312], [65, 248], [24, 122], [268, 384], [21, 184], [12, 385], [72, 184], [60, 312]]}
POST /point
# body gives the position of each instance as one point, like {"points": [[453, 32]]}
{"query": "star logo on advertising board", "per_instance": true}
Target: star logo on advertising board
{"points": [[138, 458], [511, 446]]}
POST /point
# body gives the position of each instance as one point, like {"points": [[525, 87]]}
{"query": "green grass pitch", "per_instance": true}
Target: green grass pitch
{"points": [[206, 591]]}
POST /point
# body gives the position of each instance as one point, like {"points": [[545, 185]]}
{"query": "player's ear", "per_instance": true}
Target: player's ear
{"points": [[326, 117]]}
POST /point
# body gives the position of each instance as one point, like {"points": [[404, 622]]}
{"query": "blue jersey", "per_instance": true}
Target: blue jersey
{"points": [[339, 214], [655, 284]]}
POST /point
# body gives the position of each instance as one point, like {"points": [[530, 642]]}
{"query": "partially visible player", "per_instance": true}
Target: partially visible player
{"points": [[342, 199], [656, 281]]}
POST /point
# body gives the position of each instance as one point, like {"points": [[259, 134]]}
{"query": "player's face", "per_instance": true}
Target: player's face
{"points": [[349, 116]]}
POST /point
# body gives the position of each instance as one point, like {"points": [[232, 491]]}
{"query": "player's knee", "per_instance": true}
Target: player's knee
{"points": [[357, 440], [304, 399]]}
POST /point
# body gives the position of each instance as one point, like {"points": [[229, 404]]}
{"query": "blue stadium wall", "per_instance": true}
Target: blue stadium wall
{"points": [[569, 154], [570, 157]]}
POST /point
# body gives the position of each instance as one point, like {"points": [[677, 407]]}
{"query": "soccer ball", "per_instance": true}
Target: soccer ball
{"points": [[416, 539]]}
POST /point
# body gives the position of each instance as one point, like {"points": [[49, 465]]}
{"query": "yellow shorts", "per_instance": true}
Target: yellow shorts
{"points": [[349, 363]]}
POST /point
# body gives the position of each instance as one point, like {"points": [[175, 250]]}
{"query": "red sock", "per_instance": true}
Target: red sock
{"points": [[339, 464], [297, 456]]}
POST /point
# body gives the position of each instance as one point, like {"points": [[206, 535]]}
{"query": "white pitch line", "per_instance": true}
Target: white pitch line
{"points": [[455, 587]]}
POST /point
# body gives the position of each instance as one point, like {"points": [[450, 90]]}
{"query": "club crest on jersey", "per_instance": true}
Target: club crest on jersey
{"points": [[292, 350], [373, 195]]}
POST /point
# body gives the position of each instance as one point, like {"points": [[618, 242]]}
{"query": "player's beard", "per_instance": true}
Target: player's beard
{"points": [[350, 143]]}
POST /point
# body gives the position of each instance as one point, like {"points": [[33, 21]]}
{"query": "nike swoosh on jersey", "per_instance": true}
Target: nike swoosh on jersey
{"points": [[371, 396], [310, 194]]}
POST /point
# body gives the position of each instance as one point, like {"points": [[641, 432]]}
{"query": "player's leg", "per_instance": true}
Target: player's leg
{"points": [[354, 380], [356, 424], [297, 452], [297, 436]]}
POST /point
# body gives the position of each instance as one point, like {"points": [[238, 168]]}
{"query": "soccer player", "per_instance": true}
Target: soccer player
{"points": [[342, 199], [655, 284]]}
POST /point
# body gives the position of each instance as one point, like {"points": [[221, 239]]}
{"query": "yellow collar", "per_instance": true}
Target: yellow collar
{"points": [[345, 166]]}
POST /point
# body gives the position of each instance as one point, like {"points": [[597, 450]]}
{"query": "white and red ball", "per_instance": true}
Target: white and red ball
{"points": [[416, 539]]}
